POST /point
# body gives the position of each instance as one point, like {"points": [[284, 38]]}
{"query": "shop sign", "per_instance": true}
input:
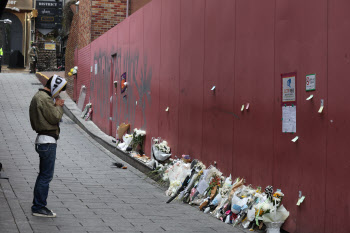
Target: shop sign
{"points": [[20, 4], [50, 46], [49, 15]]}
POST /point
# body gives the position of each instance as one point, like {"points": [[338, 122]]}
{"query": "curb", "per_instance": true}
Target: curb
{"points": [[109, 146]]}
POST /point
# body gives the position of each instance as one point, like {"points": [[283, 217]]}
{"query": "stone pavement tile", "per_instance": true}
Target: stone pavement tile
{"points": [[86, 215], [86, 229], [45, 228], [8, 226], [91, 222], [142, 227], [24, 226]]}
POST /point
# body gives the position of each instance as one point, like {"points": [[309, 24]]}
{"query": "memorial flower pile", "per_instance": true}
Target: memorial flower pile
{"points": [[229, 200]]}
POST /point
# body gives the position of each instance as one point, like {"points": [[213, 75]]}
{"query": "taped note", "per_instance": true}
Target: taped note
{"points": [[310, 97], [295, 139], [320, 110], [289, 119], [300, 200], [322, 105]]}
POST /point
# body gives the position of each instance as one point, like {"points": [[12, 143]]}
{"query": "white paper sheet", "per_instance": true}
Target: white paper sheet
{"points": [[202, 186], [289, 119]]}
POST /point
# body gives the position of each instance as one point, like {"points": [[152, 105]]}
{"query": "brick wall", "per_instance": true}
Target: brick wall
{"points": [[72, 44], [137, 4], [46, 58], [84, 23], [105, 14]]}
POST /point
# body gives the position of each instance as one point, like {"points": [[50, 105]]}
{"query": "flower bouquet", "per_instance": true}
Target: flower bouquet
{"points": [[222, 200], [270, 211], [176, 174], [127, 138], [137, 140], [196, 173], [203, 187], [73, 71], [160, 149]]}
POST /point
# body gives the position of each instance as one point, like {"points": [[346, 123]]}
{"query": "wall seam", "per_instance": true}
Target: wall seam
{"points": [[274, 96], [160, 57], [327, 125], [178, 98], [234, 92], [203, 75]]}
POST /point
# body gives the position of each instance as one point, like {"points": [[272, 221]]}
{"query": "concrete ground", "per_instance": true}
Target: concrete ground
{"points": [[87, 193], [5, 69]]}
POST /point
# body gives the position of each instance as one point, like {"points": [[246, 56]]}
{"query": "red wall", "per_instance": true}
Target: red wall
{"points": [[175, 51]]}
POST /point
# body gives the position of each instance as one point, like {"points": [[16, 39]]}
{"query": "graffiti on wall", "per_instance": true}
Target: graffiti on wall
{"points": [[125, 104]]}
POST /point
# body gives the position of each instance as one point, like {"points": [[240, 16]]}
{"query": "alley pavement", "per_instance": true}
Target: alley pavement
{"points": [[87, 193]]}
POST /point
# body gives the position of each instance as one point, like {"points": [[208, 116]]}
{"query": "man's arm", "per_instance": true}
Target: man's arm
{"points": [[52, 112]]}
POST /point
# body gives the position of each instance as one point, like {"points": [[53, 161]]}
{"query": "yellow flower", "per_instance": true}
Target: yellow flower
{"points": [[70, 74], [260, 212]]}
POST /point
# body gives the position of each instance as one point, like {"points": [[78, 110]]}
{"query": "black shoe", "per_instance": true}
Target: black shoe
{"points": [[44, 212], [118, 165]]}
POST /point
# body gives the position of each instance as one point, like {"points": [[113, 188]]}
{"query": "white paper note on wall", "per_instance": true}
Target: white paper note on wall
{"points": [[289, 119]]}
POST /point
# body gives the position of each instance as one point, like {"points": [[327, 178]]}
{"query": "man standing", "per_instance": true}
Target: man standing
{"points": [[45, 113], [33, 58], [1, 54]]}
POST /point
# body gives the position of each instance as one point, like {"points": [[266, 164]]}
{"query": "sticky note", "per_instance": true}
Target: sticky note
{"points": [[242, 108], [310, 97], [320, 110], [295, 139], [167, 109], [300, 200], [213, 88], [247, 107]]}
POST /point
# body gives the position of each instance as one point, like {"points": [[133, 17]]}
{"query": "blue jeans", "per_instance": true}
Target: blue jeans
{"points": [[47, 154]]}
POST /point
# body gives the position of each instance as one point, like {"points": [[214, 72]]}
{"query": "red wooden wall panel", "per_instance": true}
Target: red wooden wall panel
{"points": [[253, 132], [286, 153], [191, 77], [114, 55], [136, 67], [169, 74], [301, 46], [123, 112], [152, 17], [337, 198], [84, 74], [218, 69], [100, 83], [311, 126]]}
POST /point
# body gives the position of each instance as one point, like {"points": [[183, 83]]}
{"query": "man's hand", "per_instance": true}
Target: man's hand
{"points": [[59, 102]]}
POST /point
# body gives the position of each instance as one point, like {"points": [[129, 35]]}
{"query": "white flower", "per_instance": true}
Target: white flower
{"points": [[139, 132]]}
